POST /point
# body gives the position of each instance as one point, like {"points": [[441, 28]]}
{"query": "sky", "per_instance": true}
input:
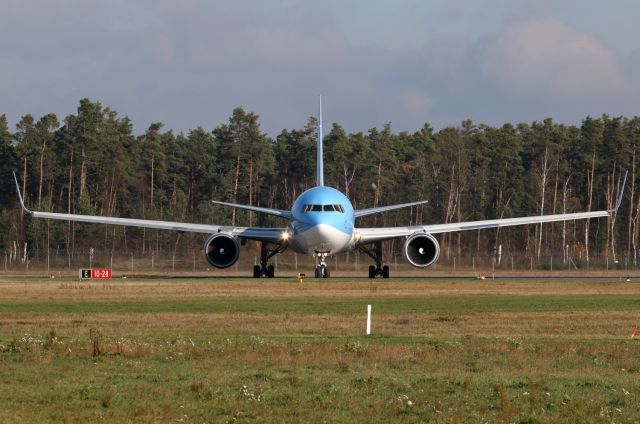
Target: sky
{"points": [[406, 62]]}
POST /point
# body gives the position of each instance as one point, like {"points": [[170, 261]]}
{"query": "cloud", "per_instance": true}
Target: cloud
{"points": [[190, 63], [548, 56]]}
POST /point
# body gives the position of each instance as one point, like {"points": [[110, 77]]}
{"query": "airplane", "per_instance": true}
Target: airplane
{"points": [[321, 222]]}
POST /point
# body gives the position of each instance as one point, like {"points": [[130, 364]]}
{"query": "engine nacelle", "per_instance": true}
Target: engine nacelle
{"points": [[421, 249], [222, 250]]}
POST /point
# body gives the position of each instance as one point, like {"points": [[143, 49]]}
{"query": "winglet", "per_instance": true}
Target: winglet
{"points": [[20, 195], [620, 193]]}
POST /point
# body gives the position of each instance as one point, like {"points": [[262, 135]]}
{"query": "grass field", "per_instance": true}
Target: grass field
{"points": [[236, 350]]}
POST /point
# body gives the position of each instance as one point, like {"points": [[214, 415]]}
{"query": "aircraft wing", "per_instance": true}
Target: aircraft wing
{"points": [[261, 234], [368, 235]]}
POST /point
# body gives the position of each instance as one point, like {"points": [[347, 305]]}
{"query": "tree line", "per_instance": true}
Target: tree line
{"points": [[92, 163]]}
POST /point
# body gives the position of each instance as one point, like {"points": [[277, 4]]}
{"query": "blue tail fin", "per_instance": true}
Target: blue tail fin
{"points": [[319, 161]]}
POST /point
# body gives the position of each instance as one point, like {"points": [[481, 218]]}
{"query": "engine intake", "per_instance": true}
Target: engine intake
{"points": [[222, 250], [421, 250]]}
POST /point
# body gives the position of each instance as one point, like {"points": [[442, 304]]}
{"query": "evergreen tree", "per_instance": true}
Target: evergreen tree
{"points": [[8, 163]]}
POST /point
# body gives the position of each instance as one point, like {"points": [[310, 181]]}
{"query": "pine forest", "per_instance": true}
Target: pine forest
{"points": [[92, 163]]}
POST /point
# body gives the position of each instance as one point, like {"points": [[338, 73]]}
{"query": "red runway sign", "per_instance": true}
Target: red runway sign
{"points": [[95, 273]]}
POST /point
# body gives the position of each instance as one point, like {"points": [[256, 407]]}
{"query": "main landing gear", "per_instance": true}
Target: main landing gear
{"points": [[264, 269], [321, 265], [376, 254]]}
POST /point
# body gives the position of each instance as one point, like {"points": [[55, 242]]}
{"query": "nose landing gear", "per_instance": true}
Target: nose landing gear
{"points": [[322, 271]]}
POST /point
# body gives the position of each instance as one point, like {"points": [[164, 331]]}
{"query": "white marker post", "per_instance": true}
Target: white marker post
{"points": [[368, 319]]}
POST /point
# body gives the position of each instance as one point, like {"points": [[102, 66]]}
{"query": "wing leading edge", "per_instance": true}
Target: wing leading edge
{"points": [[368, 235], [261, 234]]}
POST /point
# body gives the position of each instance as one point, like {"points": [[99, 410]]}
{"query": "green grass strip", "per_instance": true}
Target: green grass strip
{"points": [[302, 306]]}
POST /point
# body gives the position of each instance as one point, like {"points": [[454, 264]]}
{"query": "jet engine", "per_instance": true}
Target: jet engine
{"points": [[222, 250], [421, 249]]}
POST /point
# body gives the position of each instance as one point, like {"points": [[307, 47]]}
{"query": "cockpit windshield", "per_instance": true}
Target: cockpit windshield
{"points": [[323, 208]]}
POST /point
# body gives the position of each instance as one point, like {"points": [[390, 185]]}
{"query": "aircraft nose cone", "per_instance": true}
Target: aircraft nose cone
{"points": [[324, 230]]}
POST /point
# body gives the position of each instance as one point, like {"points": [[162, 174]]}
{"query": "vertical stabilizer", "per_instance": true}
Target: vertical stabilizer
{"points": [[319, 161]]}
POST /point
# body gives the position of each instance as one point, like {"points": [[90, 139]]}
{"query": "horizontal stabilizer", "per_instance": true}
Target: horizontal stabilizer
{"points": [[371, 211], [269, 211]]}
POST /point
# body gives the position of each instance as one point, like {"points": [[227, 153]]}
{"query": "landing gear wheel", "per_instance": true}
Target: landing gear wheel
{"points": [[322, 271], [375, 253], [385, 271], [266, 253]]}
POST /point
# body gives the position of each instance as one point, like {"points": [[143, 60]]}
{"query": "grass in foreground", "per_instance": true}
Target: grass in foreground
{"points": [[441, 353]]}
